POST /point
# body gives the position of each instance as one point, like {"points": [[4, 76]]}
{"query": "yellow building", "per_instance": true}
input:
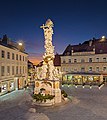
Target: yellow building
{"points": [[13, 66], [86, 62]]}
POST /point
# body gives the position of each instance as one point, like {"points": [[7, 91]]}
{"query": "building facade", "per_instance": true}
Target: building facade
{"points": [[13, 66], [31, 72], [86, 62]]}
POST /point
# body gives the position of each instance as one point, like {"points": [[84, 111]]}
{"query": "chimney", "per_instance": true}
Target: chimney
{"points": [[5, 39], [94, 49], [90, 43], [72, 50]]}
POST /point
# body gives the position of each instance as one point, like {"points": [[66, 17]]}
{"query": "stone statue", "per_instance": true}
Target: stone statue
{"points": [[44, 71], [48, 76], [48, 69]]}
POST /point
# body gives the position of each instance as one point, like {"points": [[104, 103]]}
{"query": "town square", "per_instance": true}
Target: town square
{"points": [[50, 70]]}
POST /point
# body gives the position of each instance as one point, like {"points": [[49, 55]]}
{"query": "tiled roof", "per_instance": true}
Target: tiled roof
{"points": [[100, 46], [6, 42]]}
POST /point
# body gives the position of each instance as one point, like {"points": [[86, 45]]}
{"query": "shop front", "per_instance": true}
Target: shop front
{"points": [[83, 78], [20, 82], [7, 86]]}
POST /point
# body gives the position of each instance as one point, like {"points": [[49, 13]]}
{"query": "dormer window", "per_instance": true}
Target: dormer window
{"points": [[68, 53], [101, 51]]}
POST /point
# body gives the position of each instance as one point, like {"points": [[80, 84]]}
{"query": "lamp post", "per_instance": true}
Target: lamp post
{"points": [[21, 46]]}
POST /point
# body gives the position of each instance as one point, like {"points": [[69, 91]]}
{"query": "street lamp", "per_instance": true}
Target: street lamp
{"points": [[20, 44]]}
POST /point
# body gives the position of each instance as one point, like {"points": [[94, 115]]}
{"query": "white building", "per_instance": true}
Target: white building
{"points": [[13, 66], [86, 62]]}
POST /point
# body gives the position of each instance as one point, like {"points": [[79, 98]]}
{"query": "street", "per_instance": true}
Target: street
{"points": [[16, 106], [86, 104]]}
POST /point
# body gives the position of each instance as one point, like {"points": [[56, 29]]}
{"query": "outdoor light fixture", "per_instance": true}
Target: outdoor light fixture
{"points": [[103, 37], [20, 43]]}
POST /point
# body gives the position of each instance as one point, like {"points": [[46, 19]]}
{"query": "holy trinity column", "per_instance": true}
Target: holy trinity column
{"points": [[47, 78], [49, 71]]}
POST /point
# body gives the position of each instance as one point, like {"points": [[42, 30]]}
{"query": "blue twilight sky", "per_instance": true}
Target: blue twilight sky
{"points": [[74, 22]]}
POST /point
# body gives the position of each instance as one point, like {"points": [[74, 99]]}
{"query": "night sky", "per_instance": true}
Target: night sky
{"points": [[74, 22]]}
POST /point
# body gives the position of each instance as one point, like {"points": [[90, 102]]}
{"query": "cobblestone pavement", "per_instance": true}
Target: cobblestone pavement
{"points": [[86, 104], [16, 105]]}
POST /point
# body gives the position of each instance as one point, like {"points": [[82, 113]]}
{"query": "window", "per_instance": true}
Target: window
{"points": [[16, 69], [97, 69], [97, 59], [75, 69], [101, 51], [75, 60], [20, 57], [23, 58], [64, 61], [12, 56], [12, 70], [2, 70], [20, 69], [69, 69], [8, 55], [104, 68], [104, 59], [68, 53], [3, 54], [69, 60], [82, 60], [82, 69], [8, 70], [90, 68], [12, 85], [90, 59], [16, 56], [3, 87]]}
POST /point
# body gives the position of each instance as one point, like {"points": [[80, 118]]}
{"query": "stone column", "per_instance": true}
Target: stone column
{"points": [[8, 86]]}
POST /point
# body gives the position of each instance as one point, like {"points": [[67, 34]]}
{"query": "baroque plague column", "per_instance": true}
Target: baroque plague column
{"points": [[47, 78]]}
